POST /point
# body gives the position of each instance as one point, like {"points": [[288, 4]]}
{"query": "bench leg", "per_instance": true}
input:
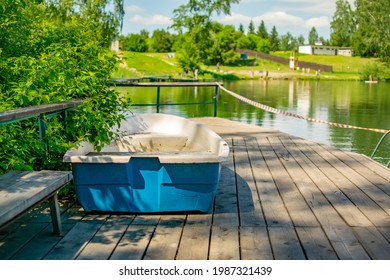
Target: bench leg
{"points": [[55, 214]]}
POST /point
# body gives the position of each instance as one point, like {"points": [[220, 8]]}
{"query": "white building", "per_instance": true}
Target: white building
{"points": [[325, 50]]}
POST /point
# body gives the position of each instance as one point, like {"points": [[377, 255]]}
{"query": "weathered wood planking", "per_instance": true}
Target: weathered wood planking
{"points": [[280, 197], [20, 191]]}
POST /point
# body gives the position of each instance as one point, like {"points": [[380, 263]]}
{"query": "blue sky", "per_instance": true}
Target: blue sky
{"points": [[294, 16]]}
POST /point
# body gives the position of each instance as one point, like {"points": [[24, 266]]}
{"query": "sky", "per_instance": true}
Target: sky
{"points": [[294, 16]]}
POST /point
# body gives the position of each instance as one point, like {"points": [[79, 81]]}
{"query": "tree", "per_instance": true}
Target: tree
{"points": [[241, 29], [224, 41], [343, 25], [251, 27], [144, 33], [301, 40], [262, 31], [372, 37], [195, 19], [287, 42], [274, 39], [162, 41], [198, 13], [135, 43], [313, 36]]}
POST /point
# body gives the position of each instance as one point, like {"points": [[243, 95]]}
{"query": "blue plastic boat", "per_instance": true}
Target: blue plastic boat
{"points": [[160, 163]]}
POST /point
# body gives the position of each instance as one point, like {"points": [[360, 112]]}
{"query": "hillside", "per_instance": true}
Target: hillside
{"points": [[154, 64]]}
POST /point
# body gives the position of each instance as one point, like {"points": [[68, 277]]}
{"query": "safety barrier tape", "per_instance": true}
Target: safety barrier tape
{"points": [[281, 112]]}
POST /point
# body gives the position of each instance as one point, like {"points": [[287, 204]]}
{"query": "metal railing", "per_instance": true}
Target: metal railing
{"points": [[42, 112], [158, 104], [378, 145]]}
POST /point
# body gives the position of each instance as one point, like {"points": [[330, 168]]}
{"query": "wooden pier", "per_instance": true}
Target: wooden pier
{"points": [[280, 197]]}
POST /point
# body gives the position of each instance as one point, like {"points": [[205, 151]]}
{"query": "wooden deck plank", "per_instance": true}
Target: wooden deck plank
{"points": [[323, 211], [41, 244], [385, 231], [250, 210], [104, 242], [374, 166], [225, 205], [134, 243], [255, 244], [75, 241], [297, 207], [360, 167], [341, 203], [285, 244], [224, 244], [274, 209], [316, 244], [345, 243], [371, 190], [374, 243], [369, 207], [166, 238], [194, 244], [13, 242]]}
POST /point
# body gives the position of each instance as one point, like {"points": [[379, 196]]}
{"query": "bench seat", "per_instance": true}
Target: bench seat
{"points": [[20, 191]]}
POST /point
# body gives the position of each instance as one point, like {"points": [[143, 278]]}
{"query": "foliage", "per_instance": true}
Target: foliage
{"points": [[343, 25], [375, 71], [194, 18], [251, 28], [50, 52], [288, 42], [274, 39], [313, 36], [198, 13], [262, 30], [372, 37], [134, 42], [162, 41]]}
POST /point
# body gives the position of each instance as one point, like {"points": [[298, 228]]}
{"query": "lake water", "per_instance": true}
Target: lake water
{"points": [[353, 103]]}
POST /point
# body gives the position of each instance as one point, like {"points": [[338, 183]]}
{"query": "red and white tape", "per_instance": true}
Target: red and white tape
{"points": [[281, 112]]}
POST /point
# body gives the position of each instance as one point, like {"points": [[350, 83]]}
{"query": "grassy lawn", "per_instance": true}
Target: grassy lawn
{"points": [[146, 64], [154, 64], [340, 64]]}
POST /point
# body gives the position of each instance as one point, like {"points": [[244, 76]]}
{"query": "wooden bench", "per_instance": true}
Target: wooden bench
{"points": [[20, 191]]}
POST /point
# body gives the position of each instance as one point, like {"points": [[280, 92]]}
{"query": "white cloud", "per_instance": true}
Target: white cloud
{"points": [[282, 19], [133, 9], [317, 22], [151, 20], [235, 18]]}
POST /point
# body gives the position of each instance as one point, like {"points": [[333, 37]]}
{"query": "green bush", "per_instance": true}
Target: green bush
{"points": [[49, 56], [377, 71]]}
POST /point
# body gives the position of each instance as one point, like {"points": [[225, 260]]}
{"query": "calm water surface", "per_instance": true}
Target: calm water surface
{"points": [[354, 103]]}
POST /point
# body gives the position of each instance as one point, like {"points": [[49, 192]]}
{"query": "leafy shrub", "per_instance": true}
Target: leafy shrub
{"points": [[49, 56], [377, 71]]}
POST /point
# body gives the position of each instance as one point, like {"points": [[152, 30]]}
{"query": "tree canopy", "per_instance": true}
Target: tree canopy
{"points": [[372, 37]]}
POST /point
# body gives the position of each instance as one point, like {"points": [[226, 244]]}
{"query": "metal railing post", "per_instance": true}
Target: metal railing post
{"points": [[216, 100], [158, 100], [42, 125], [377, 146]]}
